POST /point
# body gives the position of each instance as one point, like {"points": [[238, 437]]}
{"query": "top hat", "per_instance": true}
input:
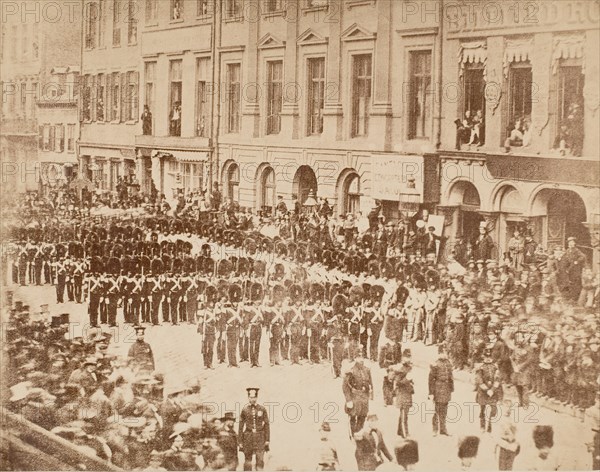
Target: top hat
{"points": [[139, 329], [229, 415]]}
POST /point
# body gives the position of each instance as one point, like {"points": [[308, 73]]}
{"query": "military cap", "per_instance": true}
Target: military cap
{"points": [[543, 436], [468, 447], [252, 391], [407, 452]]}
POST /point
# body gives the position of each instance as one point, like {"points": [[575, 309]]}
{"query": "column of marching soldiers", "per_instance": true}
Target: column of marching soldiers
{"points": [[316, 302]]}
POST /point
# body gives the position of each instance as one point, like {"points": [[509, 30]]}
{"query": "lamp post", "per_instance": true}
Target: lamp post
{"points": [[310, 203]]}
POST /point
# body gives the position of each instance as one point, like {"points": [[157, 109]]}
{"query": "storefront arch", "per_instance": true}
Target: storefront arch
{"points": [[509, 205], [305, 180], [557, 214], [465, 197]]}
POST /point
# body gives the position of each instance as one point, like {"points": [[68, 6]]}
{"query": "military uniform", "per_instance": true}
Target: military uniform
{"points": [[140, 355], [489, 391], [254, 434], [441, 386], [209, 332], [357, 388]]}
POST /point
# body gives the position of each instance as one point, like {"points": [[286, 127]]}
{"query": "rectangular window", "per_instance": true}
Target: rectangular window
{"points": [[149, 77], [175, 89], [176, 9], [191, 177], [569, 127], [273, 5], [202, 106], [233, 9], [90, 25], [132, 27], [100, 97], [520, 92], [151, 11], [473, 109], [52, 139], [420, 97], [87, 98], [361, 94], [132, 103], [71, 137], [316, 95], [116, 23], [60, 138], [115, 96], [203, 8], [233, 98], [101, 22], [274, 96], [46, 138]]}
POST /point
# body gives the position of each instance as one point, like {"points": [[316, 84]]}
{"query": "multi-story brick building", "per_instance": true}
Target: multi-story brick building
{"points": [[109, 105], [40, 56]]}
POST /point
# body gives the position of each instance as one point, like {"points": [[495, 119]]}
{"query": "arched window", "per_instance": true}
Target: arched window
{"points": [[352, 194], [268, 190], [233, 182]]}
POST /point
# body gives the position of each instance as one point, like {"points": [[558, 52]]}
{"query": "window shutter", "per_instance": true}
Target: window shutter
{"points": [[41, 136], [136, 96], [109, 93], [124, 97], [553, 108], [93, 98]]}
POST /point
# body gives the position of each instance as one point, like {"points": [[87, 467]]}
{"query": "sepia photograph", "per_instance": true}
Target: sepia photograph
{"points": [[300, 235]]}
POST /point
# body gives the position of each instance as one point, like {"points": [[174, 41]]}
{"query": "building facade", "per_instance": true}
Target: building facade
{"points": [[40, 56], [109, 104], [533, 73]]}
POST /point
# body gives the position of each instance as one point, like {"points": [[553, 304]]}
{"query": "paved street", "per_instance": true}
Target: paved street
{"points": [[299, 398]]}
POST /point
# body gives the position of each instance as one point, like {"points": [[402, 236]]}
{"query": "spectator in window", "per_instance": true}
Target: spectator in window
{"points": [[176, 10], [562, 142], [526, 132], [463, 129], [477, 129], [515, 137], [575, 127], [175, 120], [146, 121], [216, 197]]}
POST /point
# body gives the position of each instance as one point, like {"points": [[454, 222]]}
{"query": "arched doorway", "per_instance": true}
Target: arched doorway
{"points": [[231, 181], [510, 205], [349, 193], [267, 190], [558, 215], [305, 180], [465, 197]]}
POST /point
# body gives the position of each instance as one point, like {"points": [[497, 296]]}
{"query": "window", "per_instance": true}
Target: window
{"points": [[90, 25], [131, 97], [274, 96], [175, 98], [87, 99], [569, 126], [60, 138], [316, 95], [520, 80], [51, 139], [273, 5], [131, 22], [316, 3], [71, 137], [202, 109], [233, 98], [474, 100], [149, 77], [46, 138], [352, 194], [420, 95], [176, 9], [115, 96], [101, 22], [192, 177], [116, 23], [361, 94], [202, 7], [233, 182], [115, 170], [233, 9], [100, 91], [151, 11], [268, 191]]}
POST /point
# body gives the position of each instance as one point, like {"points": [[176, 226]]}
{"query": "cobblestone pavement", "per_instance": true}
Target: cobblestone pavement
{"points": [[300, 397]]}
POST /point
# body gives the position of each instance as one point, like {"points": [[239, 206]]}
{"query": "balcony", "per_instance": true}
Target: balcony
{"points": [[172, 142], [18, 127], [545, 168]]}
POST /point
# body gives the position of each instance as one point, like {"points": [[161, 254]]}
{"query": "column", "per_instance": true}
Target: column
{"points": [[381, 112], [333, 112]]}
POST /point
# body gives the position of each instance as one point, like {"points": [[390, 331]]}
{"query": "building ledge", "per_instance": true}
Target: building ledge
{"points": [[172, 142]]}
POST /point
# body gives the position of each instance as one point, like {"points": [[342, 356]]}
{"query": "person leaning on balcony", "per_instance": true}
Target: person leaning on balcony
{"points": [[146, 121], [175, 120]]}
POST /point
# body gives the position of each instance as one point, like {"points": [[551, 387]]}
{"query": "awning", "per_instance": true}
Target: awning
{"points": [[184, 156], [567, 47], [472, 53], [516, 50]]}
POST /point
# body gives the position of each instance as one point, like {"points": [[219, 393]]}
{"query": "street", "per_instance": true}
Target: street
{"points": [[300, 397]]}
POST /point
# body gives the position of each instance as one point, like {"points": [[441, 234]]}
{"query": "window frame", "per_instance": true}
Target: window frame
{"points": [[516, 69], [233, 96], [180, 8], [274, 96], [415, 80], [311, 130], [173, 82], [233, 185], [132, 23], [202, 105], [70, 141], [357, 84], [116, 27]]}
